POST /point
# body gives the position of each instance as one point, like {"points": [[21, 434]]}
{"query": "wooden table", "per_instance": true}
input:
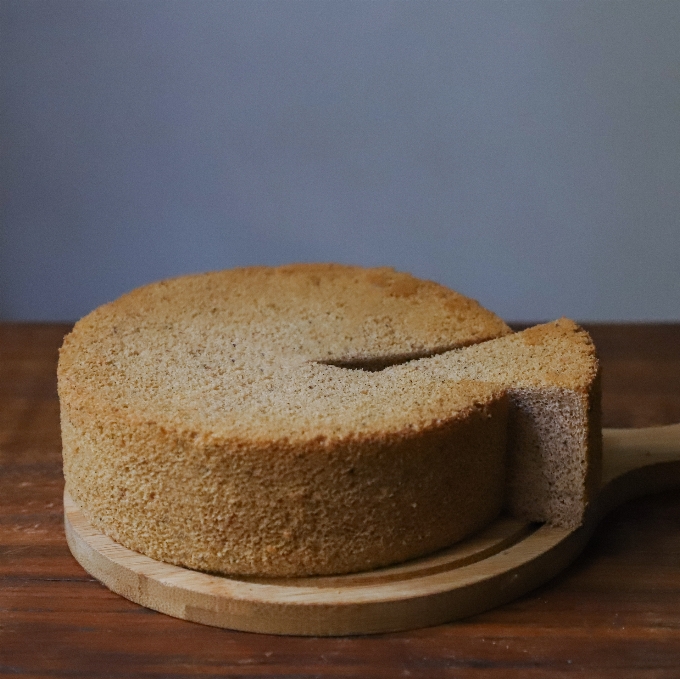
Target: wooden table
{"points": [[614, 613]]}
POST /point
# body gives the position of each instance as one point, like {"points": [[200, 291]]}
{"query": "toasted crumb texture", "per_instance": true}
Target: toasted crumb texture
{"points": [[319, 419], [551, 374], [208, 421]]}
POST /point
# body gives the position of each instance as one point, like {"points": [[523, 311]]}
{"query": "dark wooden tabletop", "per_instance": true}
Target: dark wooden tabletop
{"points": [[614, 613]]}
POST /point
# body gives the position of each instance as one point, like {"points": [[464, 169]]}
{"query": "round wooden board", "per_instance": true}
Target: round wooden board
{"points": [[500, 563]]}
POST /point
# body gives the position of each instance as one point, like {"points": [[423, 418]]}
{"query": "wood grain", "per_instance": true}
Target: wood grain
{"points": [[613, 613], [496, 565]]}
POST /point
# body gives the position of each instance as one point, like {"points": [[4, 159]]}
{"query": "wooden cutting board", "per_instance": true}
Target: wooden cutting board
{"points": [[502, 562]]}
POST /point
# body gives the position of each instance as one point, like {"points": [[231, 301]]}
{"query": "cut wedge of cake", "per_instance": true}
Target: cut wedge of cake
{"points": [[551, 375]]}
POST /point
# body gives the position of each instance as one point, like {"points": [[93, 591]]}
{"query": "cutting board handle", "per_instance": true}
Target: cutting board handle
{"points": [[638, 462]]}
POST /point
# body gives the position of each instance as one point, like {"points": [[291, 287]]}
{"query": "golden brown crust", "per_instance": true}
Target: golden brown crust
{"points": [[287, 509], [205, 423], [208, 420]]}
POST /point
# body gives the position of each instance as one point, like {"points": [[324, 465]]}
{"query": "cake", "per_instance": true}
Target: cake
{"points": [[551, 375], [319, 419]]}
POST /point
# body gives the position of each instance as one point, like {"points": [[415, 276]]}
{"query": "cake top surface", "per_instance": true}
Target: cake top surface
{"points": [[326, 312], [559, 354], [261, 352], [307, 352]]}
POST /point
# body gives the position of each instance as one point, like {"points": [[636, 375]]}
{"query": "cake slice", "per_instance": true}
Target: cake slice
{"points": [[551, 374]]}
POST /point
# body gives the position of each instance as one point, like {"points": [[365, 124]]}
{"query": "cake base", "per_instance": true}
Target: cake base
{"points": [[497, 565]]}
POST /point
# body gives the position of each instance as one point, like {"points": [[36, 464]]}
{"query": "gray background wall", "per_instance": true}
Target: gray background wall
{"points": [[524, 153]]}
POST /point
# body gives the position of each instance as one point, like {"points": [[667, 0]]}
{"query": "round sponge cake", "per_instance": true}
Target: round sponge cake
{"points": [[247, 421]]}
